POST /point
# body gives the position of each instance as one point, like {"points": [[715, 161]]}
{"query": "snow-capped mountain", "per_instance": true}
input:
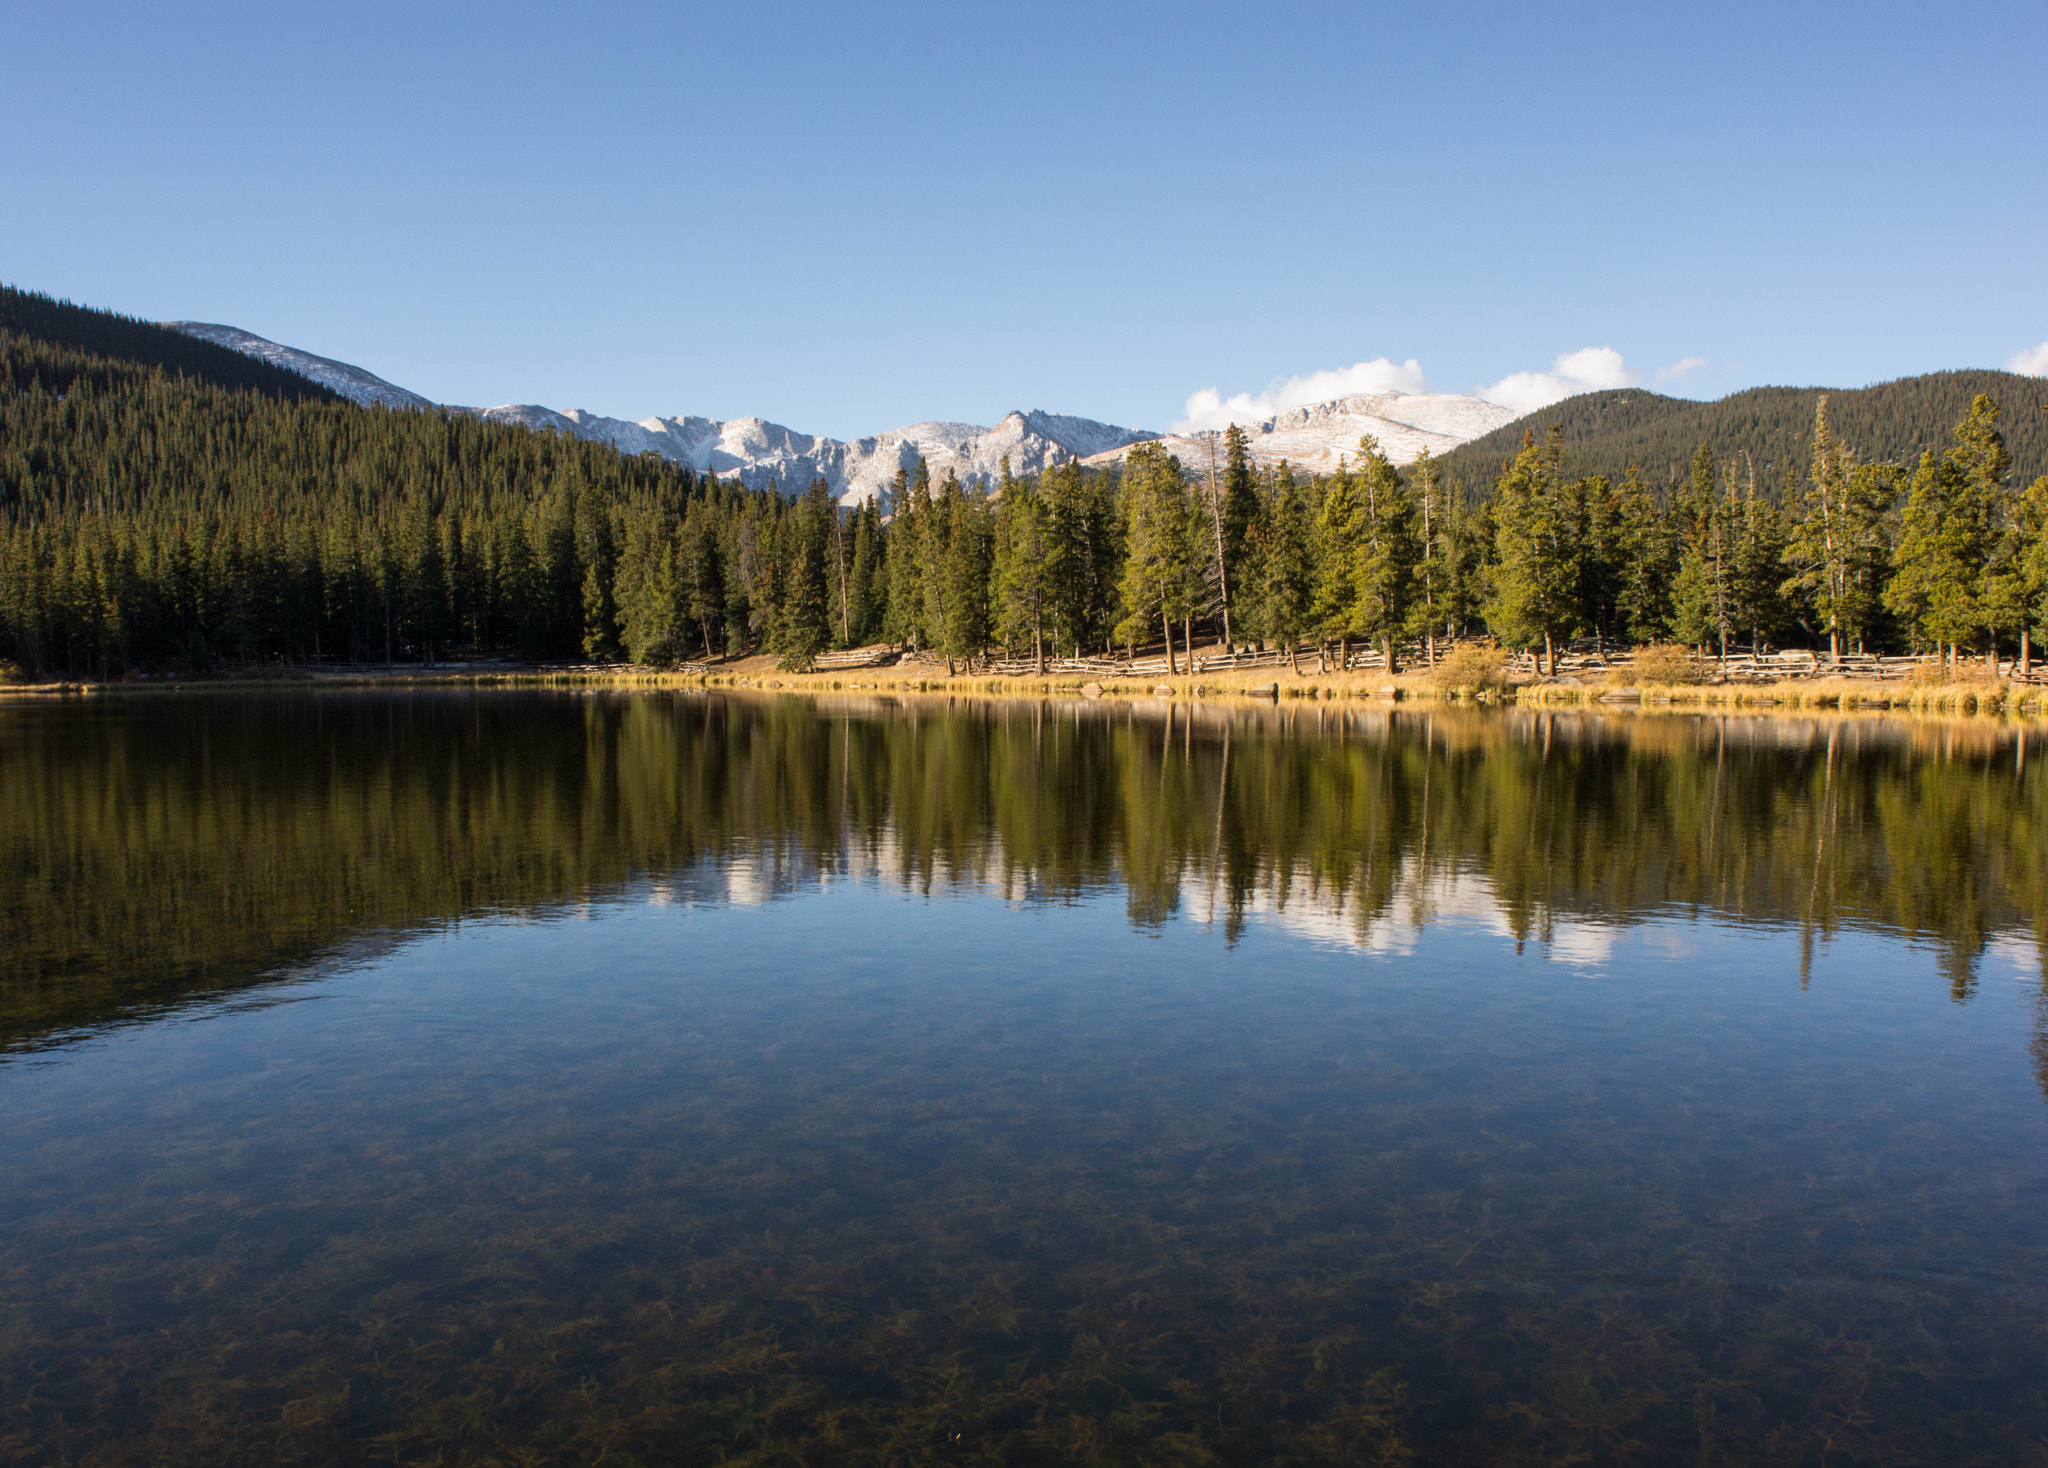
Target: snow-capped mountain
{"points": [[352, 383], [1315, 438], [756, 450]]}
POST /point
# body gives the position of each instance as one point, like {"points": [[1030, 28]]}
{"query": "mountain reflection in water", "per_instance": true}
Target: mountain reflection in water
{"points": [[699, 1078]]}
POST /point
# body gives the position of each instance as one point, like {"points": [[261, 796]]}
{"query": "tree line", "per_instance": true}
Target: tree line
{"points": [[153, 520]]}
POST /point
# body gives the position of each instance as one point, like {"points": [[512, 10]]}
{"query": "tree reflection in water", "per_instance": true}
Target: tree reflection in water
{"points": [[1062, 1201]]}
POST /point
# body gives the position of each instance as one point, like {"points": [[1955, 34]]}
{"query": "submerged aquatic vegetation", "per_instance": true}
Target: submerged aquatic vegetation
{"points": [[1204, 1116]]}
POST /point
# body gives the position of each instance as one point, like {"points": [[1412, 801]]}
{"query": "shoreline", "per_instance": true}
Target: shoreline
{"points": [[1610, 692]]}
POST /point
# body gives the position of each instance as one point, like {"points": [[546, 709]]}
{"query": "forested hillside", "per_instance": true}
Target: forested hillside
{"points": [[155, 518], [145, 344], [1771, 427]]}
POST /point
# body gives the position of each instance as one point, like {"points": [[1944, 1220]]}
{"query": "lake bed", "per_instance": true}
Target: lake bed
{"points": [[683, 1077]]}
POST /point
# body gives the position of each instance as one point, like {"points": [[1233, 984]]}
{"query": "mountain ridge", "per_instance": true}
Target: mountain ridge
{"points": [[351, 382], [1316, 437], [1770, 427]]}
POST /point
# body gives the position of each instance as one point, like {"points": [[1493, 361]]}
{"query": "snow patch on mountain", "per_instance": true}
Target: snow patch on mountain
{"points": [[352, 383], [756, 450], [1315, 438], [1319, 437]]}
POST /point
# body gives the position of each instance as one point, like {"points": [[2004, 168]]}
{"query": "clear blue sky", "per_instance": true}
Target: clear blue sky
{"points": [[848, 217]]}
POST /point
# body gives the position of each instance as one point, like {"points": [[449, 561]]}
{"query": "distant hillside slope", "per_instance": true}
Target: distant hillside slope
{"points": [[345, 378], [125, 339], [1605, 432]]}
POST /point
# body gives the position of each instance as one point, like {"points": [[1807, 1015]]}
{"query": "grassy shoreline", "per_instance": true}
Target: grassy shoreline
{"points": [[1614, 690]]}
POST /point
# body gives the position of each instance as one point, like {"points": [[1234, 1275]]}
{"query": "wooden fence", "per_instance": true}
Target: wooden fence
{"points": [[1577, 659]]}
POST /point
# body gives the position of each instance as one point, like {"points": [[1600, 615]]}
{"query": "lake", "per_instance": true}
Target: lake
{"points": [[699, 1078]]}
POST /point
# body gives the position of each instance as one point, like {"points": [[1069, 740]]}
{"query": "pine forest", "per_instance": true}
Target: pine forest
{"points": [[171, 506]]}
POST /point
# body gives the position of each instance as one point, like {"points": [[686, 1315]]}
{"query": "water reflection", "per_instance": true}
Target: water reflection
{"points": [[709, 1079], [150, 846]]}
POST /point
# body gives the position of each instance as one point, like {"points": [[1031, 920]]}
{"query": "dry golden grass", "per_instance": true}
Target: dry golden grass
{"points": [[1666, 665], [1471, 671]]}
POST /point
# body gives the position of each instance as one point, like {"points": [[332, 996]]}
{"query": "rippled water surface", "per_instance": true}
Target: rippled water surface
{"points": [[701, 1079]]}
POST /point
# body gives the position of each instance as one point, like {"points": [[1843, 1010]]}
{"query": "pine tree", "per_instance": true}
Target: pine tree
{"points": [[1383, 569], [1022, 590], [935, 539], [970, 536], [1946, 535], [865, 588], [804, 627], [1600, 564], [2023, 589], [1836, 541], [596, 549], [1161, 551], [700, 574], [1436, 554], [1756, 602], [1084, 557], [1647, 552], [1538, 540], [1283, 552], [903, 615], [1339, 533], [1238, 513]]}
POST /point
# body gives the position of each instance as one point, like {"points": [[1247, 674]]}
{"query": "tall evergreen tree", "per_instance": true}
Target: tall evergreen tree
{"points": [[969, 547], [1339, 533], [866, 577], [1239, 511], [1538, 539], [1946, 538], [1756, 601], [1436, 553], [1836, 546], [1160, 580], [1647, 552], [1283, 552], [1022, 590], [1383, 569], [1084, 557], [804, 627]]}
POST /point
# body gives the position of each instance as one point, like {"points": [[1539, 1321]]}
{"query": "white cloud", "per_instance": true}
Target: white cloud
{"points": [[1587, 370], [1683, 368], [1210, 409], [2033, 362]]}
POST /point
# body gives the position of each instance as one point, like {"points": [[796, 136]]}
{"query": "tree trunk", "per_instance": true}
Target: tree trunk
{"points": [[1038, 644], [1344, 654], [1549, 656], [1187, 641], [1294, 655], [2026, 650], [1167, 622], [1389, 642], [839, 554]]}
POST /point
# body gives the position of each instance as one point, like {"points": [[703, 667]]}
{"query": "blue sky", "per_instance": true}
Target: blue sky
{"points": [[845, 218]]}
